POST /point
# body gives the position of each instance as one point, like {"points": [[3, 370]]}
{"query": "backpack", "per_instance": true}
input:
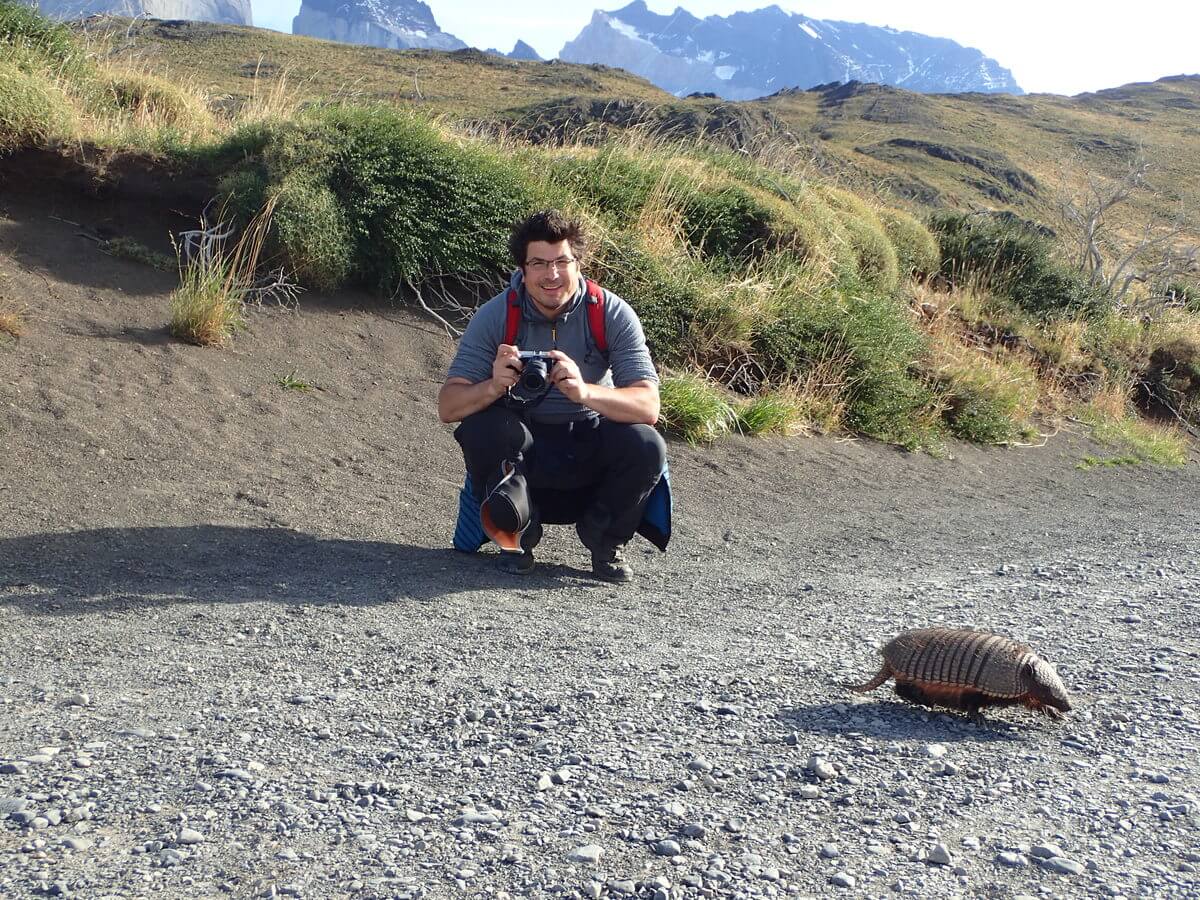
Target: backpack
{"points": [[595, 316]]}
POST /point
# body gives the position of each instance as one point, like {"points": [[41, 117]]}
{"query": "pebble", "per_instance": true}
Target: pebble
{"points": [[474, 817], [939, 855], [190, 836], [829, 851], [1045, 851], [588, 853], [1062, 865], [821, 767], [841, 879], [668, 848]]}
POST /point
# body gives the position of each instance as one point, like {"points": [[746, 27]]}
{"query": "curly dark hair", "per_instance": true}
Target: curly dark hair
{"points": [[551, 226]]}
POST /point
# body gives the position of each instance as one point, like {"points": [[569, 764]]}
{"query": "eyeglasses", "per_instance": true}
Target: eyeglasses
{"points": [[541, 266]]}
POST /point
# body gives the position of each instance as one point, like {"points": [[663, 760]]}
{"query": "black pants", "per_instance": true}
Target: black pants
{"points": [[595, 473]]}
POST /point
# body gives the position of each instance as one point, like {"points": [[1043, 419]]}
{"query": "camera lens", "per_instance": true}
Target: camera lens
{"points": [[534, 375]]}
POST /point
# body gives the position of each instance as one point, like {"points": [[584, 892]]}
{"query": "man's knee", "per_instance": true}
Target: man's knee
{"points": [[638, 448], [491, 429]]}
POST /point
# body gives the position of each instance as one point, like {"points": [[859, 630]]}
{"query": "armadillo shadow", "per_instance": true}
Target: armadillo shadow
{"points": [[890, 719], [88, 571]]}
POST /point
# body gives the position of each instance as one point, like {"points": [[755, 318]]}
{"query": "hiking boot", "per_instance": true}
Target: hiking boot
{"points": [[611, 566], [516, 563]]}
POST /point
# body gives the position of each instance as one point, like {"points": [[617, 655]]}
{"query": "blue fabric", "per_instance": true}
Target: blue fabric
{"points": [[655, 527]]}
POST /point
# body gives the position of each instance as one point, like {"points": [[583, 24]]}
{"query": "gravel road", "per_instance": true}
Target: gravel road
{"points": [[241, 710], [237, 659]]}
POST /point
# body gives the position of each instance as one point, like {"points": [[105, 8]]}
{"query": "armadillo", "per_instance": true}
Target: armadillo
{"points": [[965, 669]]}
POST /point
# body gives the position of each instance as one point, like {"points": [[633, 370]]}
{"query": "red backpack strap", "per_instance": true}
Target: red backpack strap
{"points": [[595, 315], [512, 321]]}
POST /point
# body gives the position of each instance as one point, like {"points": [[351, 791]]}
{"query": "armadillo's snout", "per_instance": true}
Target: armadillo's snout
{"points": [[1054, 692]]}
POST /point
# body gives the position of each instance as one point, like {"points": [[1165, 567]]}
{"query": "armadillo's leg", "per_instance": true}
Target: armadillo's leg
{"points": [[884, 674], [906, 690]]}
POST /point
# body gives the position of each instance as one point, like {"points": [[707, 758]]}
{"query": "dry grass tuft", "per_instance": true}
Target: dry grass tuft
{"points": [[12, 320]]}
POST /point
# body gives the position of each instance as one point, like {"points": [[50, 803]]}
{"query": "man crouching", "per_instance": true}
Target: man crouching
{"points": [[557, 399]]}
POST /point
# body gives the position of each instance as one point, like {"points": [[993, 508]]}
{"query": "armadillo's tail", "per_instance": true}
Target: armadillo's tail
{"points": [[884, 674]]}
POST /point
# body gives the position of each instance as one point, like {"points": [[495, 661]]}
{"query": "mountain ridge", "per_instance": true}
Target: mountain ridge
{"points": [[747, 55]]}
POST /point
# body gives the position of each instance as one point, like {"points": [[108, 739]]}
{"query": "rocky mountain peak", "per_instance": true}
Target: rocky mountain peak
{"points": [[395, 24], [231, 12]]}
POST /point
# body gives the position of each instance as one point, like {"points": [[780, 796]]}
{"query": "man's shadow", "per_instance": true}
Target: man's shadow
{"points": [[123, 568]]}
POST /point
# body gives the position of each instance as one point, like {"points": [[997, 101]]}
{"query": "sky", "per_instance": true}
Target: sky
{"points": [[1054, 46]]}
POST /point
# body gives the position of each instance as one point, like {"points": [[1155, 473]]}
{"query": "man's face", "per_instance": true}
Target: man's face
{"points": [[551, 275]]}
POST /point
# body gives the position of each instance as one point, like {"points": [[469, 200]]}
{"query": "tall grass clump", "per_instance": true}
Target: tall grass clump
{"points": [[142, 100], [1114, 424], [215, 286], [876, 262], [917, 252], [33, 110], [1017, 261], [780, 412], [36, 40], [863, 340], [987, 401], [695, 408]]}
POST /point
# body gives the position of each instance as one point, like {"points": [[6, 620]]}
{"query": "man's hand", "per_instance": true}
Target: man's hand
{"points": [[458, 397], [567, 378], [507, 367]]}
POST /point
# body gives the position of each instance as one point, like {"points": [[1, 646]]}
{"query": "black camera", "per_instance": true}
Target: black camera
{"points": [[534, 381]]}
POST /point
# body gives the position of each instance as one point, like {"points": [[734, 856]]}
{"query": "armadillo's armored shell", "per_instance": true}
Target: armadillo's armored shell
{"points": [[956, 657]]}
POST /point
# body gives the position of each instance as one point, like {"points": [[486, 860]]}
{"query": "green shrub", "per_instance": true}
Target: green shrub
{"points": [[395, 199], [728, 224], [877, 345], [312, 232], [418, 205], [1015, 260], [665, 293]]}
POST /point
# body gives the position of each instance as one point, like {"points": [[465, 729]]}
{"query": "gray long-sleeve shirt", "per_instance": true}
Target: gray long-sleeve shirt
{"points": [[628, 358]]}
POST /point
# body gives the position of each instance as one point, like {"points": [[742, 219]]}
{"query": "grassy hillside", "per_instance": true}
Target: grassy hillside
{"points": [[232, 63], [957, 150], [781, 287]]}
